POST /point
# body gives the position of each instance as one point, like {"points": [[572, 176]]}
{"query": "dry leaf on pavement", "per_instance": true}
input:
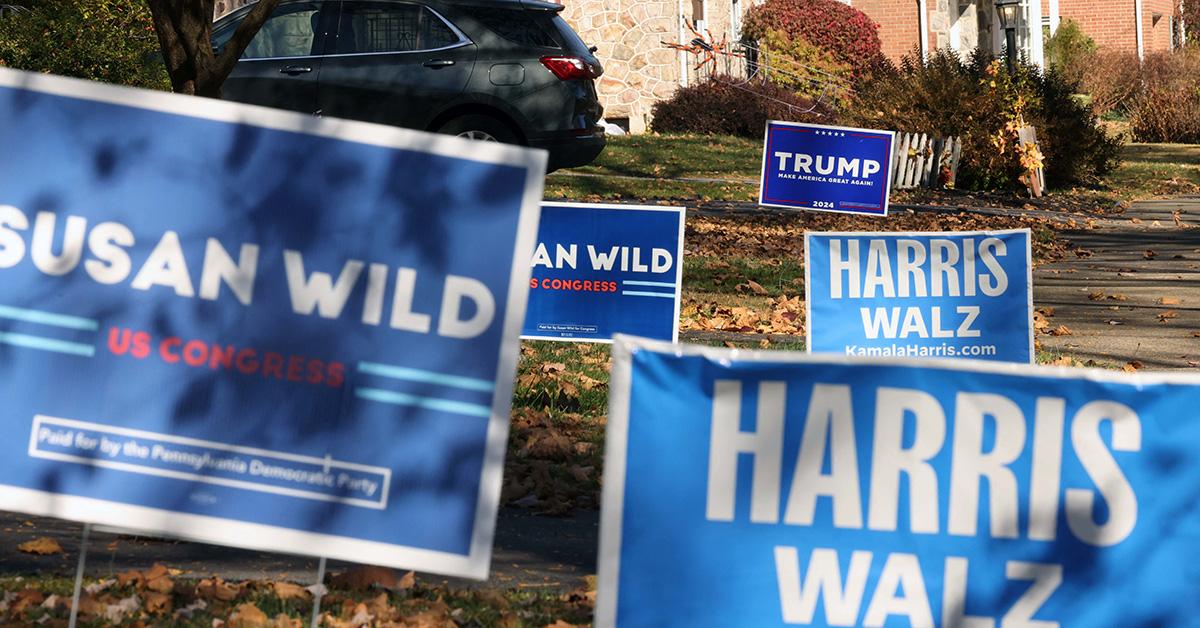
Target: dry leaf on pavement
{"points": [[41, 546]]}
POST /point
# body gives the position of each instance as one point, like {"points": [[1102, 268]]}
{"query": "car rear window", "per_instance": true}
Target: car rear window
{"points": [[569, 37], [528, 28]]}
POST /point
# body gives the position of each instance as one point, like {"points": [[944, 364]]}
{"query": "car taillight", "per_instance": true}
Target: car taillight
{"points": [[569, 68]]}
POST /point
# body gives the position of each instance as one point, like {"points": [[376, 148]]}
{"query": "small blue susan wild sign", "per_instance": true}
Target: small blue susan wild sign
{"points": [[826, 168]]}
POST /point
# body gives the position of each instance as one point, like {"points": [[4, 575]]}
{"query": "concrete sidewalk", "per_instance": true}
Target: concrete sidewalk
{"points": [[1132, 290]]}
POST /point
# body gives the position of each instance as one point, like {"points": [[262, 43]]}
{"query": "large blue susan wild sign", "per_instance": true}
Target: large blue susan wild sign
{"points": [[772, 489], [600, 270], [256, 328], [966, 294], [826, 168]]}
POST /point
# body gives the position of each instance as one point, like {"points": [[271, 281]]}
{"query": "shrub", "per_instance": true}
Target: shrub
{"points": [[982, 104], [1076, 147], [1167, 109], [726, 106], [847, 34], [1191, 20], [804, 68], [1111, 78], [1068, 51], [103, 40]]}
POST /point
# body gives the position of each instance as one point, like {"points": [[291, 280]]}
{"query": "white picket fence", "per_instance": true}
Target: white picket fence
{"points": [[924, 161]]}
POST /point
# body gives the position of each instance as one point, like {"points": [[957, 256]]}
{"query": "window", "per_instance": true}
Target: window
{"points": [[377, 27], [519, 26], [289, 32]]}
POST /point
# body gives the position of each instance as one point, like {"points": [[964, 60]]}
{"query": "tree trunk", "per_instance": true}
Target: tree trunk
{"points": [[184, 29]]}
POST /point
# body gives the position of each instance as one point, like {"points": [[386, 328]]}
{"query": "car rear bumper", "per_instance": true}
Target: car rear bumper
{"points": [[570, 150]]}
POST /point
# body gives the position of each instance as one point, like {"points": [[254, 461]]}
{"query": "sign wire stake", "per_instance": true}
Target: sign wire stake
{"points": [[83, 548], [318, 593]]}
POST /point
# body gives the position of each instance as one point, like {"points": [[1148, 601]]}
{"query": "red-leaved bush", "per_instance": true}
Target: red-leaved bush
{"points": [[846, 33]]}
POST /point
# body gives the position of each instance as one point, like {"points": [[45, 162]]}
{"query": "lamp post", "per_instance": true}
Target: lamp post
{"points": [[1009, 12]]}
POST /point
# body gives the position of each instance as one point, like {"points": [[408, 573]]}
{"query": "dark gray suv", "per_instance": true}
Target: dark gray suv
{"points": [[504, 70]]}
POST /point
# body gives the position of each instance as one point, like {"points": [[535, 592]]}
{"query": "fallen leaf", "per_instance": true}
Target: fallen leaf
{"points": [[155, 602], [1097, 295], [126, 578], [157, 578], [1167, 316], [41, 546], [1132, 366], [90, 606], [364, 577], [1061, 330], [581, 474], [1149, 254], [407, 581], [216, 589], [756, 287], [290, 591], [247, 615], [555, 367], [114, 612], [26, 599], [1169, 301], [379, 608]]}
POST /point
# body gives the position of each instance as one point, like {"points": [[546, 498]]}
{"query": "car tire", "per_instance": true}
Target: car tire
{"points": [[480, 127]]}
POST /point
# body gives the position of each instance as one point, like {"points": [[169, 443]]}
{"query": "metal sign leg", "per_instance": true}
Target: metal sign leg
{"points": [[83, 548], [318, 592]]}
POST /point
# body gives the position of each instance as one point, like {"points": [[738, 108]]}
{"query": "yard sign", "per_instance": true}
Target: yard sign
{"points": [[257, 328], [826, 168], [966, 294], [771, 489], [600, 270]]}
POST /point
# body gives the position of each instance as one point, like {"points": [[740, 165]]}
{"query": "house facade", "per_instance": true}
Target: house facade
{"points": [[1141, 26]]}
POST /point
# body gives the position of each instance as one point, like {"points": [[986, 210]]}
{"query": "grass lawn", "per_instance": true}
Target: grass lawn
{"points": [[1151, 170], [657, 162], [648, 167]]}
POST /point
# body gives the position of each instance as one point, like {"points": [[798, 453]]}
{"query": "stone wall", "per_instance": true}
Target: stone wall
{"points": [[638, 69]]}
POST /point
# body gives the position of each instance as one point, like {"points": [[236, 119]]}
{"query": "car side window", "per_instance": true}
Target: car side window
{"points": [[379, 27], [291, 31]]}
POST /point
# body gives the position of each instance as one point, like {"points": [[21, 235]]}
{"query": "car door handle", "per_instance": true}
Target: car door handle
{"points": [[293, 70], [439, 63]]}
